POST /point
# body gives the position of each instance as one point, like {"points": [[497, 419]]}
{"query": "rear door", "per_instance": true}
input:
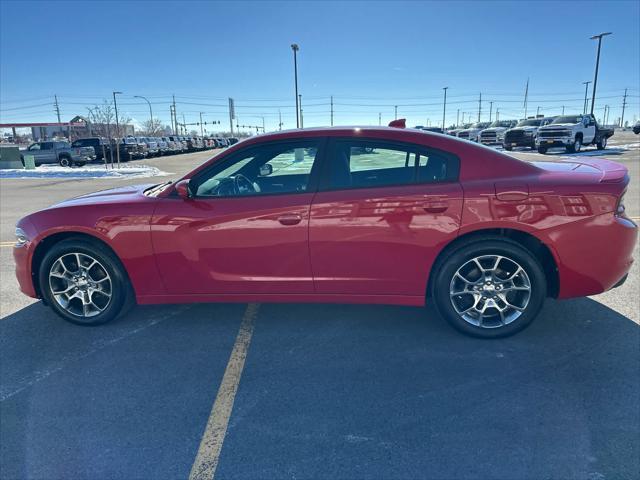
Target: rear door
{"points": [[383, 212]]}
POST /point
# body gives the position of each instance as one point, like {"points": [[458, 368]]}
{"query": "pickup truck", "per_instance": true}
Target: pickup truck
{"points": [[59, 152], [524, 133], [473, 133], [572, 132], [494, 135], [100, 146]]}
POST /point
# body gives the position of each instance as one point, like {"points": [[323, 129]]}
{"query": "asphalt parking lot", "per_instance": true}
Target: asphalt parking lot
{"points": [[321, 391]]}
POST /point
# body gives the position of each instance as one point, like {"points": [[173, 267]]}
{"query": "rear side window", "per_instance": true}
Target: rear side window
{"points": [[372, 163]]}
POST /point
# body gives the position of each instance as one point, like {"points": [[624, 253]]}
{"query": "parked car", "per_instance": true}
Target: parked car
{"points": [[152, 146], [178, 145], [572, 132], [494, 134], [129, 149], [524, 133], [163, 146], [221, 142], [473, 132], [429, 129], [232, 140], [636, 128], [59, 152], [454, 131], [100, 146], [298, 217]]}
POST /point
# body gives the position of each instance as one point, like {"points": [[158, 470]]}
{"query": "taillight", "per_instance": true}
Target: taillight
{"points": [[620, 206]]}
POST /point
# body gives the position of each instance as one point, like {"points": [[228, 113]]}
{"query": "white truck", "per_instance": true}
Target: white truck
{"points": [[494, 135], [473, 133], [572, 132]]}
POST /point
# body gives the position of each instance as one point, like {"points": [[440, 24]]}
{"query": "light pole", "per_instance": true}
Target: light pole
{"points": [[444, 106], [586, 88], [115, 106], [490, 110], [295, 48], [151, 126], [396, 112], [595, 77], [201, 126]]}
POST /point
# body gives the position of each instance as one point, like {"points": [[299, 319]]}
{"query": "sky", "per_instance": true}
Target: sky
{"points": [[370, 56]]}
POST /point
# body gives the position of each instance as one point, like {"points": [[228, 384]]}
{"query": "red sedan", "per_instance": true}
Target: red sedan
{"points": [[348, 215]]}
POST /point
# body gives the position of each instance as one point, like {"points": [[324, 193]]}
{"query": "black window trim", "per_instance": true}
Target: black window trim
{"points": [[324, 180], [314, 174]]}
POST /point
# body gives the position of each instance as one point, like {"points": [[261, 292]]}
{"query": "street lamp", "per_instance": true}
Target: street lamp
{"points": [[295, 48], [115, 105], [151, 127], [444, 106], [595, 77]]}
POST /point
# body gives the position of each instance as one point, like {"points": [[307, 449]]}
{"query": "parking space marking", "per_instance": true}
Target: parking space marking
{"points": [[7, 244], [206, 462]]}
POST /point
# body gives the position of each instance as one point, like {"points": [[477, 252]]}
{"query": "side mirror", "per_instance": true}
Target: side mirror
{"points": [[266, 170], [182, 187]]}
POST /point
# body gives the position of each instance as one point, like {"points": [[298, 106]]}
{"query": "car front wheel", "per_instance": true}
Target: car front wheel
{"points": [[83, 282], [490, 288]]}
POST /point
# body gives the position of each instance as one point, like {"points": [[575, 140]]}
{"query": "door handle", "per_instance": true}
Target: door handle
{"points": [[290, 219], [436, 207]]}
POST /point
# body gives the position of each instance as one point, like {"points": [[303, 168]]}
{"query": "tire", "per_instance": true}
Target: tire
{"points": [[575, 147], [112, 289], [602, 143], [508, 148], [542, 150], [65, 161], [522, 305]]}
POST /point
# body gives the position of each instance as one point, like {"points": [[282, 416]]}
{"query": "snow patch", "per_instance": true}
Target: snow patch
{"points": [[89, 171]]}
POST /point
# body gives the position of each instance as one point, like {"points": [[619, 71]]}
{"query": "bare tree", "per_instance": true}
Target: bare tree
{"points": [[103, 121], [154, 129]]}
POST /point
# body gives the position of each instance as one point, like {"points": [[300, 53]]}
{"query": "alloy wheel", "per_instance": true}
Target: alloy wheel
{"points": [[490, 291], [80, 284]]}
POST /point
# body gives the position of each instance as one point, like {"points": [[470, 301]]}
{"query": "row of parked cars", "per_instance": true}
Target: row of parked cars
{"points": [[143, 147], [539, 133]]}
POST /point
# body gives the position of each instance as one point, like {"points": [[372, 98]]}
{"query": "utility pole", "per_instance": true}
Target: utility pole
{"points": [[301, 125], [57, 107], [458, 118], [586, 88], [295, 49], [184, 124], [538, 111], [201, 126], [562, 109], [279, 119], [396, 112], [497, 114], [379, 118], [479, 106], [332, 110], [526, 98], [595, 77], [232, 113], [444, 107], [624, 104], [175, 114], [490, 110], [173, 125]]}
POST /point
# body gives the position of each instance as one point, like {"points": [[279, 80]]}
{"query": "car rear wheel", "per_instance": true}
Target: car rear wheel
{"points": [[83, 282], [65, 161], [490, 288]]}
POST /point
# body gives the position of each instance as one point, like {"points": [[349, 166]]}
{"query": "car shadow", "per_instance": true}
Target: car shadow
{"points": [[394, 387]]}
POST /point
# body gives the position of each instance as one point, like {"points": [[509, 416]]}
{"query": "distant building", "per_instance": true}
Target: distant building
{"points": [[79, 127]]}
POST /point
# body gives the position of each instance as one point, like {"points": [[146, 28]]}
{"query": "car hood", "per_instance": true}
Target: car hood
{"points": [[560, 125], [129, 194]]}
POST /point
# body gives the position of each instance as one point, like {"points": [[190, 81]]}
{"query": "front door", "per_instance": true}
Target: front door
{"points": [[383, 212], [245, 231]]}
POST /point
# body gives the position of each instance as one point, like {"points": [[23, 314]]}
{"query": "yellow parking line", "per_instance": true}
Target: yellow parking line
{"points": [[206, 462]]}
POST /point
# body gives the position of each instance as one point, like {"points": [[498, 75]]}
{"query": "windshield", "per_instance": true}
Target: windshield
{"points": [[481, 125], [568, 119], [532, 122], [502, 123], [129, 140]]}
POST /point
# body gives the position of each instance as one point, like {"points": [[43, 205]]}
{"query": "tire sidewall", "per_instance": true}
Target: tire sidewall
{"points": [[65, 162], [110, 263], [489, 247]]}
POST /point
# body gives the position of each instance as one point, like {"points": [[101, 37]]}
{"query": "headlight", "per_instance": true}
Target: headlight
{"points": [[21, 237]]}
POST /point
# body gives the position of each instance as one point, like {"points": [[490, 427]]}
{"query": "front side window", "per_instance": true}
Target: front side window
{"points": [[34, 147], [371, 163], [260, 170], [46, 146]]}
